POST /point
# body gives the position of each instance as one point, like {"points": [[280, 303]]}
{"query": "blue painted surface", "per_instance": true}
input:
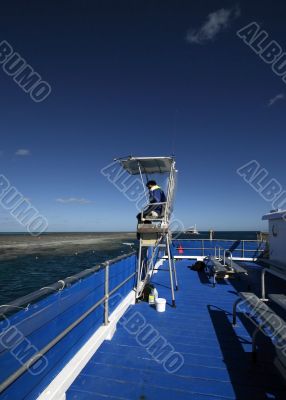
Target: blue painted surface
{"points": [[204, 247], [118, 273], [217, 362], [44, 320]]}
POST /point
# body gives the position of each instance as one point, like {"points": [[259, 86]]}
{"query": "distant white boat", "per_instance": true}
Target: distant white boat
{"points": [[193, 230]]}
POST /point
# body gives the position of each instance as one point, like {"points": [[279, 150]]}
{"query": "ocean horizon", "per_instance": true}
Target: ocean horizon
{"points": [[28, 263]]}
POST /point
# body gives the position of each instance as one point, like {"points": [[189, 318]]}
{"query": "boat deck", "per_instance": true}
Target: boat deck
{"points": [[217, 357]]}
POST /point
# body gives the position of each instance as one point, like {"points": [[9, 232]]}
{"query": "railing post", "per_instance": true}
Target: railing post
{"points": [[263, 284], [106, 293], [203, 247], [243, 249]]}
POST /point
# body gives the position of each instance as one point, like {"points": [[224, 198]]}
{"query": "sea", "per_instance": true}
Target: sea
{"points": [[28, 263]]}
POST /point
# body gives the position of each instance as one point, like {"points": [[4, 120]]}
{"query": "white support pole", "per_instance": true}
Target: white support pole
{"points": [[174, 269], [139, 268], [170, 270], [141, 176], [175, 273]]}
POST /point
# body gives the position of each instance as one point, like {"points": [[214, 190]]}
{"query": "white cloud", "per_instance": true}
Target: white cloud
{"points": [[276, 98], [215, 23], [74, 200], [23, 152]]}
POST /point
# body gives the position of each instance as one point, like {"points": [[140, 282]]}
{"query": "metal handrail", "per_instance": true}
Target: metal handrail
{"points": [[221, 240], [213, 248], [29, 363], [57, 286], [243, 250], [119, 258]]}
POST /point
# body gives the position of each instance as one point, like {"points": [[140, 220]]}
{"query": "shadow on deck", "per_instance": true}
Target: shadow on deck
{"points": [[217, 360]]}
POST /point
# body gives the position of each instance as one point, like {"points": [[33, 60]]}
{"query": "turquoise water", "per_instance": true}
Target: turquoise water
{"points": [[27, 264]]}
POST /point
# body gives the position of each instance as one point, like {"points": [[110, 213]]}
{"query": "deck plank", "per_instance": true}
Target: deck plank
{"points": [[217, 363]]}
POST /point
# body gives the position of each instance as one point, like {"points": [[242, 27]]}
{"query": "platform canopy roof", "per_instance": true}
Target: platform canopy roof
{"points": [[148, 165]]}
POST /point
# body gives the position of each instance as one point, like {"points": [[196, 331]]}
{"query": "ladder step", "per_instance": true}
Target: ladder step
{"points": [[148, 242]]}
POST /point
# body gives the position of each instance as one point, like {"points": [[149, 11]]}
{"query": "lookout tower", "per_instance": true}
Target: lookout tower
{"points": [[154, 232]]}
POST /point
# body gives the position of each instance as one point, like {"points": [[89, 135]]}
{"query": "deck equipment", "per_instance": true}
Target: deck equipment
{"points": [[265, 320], [223, 267], [155, 235]]}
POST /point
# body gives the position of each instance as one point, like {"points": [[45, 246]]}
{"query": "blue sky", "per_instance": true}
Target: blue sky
{"points": [[141, 78]]}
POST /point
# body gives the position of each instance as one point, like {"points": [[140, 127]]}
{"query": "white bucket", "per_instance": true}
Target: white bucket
{"points": [[160, 304]]}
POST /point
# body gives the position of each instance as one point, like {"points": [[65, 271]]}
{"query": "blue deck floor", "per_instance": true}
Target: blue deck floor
{"points": [[217, 361]]}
